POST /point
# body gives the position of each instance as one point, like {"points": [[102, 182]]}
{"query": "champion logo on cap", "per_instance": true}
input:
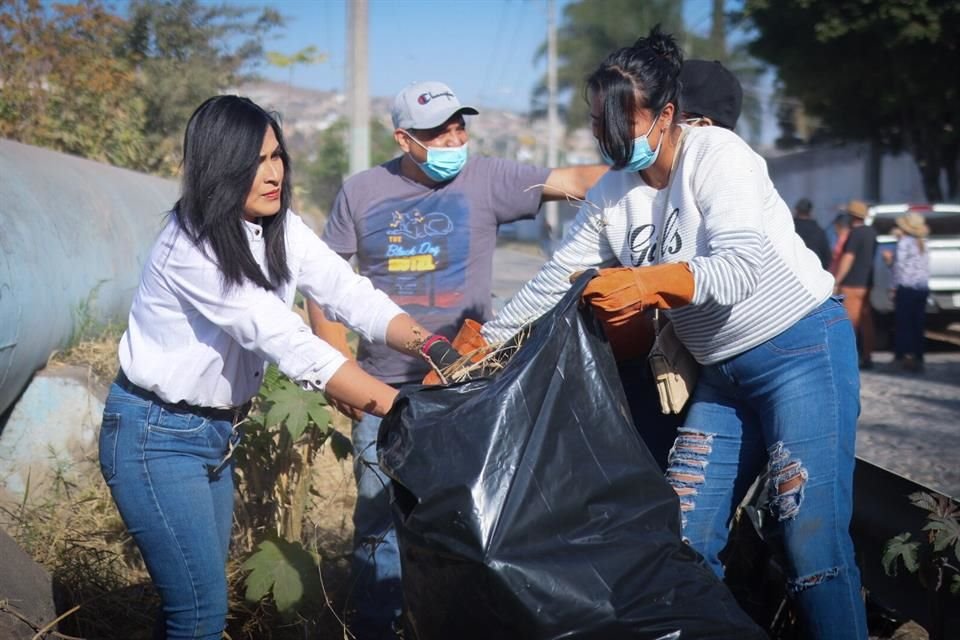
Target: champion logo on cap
{"points": [[425, 105], [424, 98]]}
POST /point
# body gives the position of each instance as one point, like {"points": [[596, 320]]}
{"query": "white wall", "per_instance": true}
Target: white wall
{"points": [[833, 175]]}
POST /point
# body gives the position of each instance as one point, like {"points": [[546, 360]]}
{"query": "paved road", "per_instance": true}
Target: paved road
{"points": [[909, 423], [513, 265]]}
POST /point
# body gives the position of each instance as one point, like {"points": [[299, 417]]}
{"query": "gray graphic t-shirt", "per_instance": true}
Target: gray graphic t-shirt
{"points": [[430, 248]]}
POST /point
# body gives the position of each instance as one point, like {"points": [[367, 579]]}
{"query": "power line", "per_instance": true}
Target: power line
{"points": [[516, 30], [496, 49]]}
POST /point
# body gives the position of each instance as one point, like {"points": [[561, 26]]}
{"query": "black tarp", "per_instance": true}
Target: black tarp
{"points": [[527, 506]]}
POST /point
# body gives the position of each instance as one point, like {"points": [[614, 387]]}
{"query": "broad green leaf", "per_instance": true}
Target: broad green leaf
{"points": [[947, 532], [286, 570], [955, 585], [341, 445], [295, 408], [924, 500], [900, 547], [272, 378]]}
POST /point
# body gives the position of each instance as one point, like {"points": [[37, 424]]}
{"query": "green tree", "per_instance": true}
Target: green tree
{"points": [[592, 29], [324, 168], [589, 31], [186, 52], [63, 84], [307, 55], [876, 71], [322, 173], [735, 57]]}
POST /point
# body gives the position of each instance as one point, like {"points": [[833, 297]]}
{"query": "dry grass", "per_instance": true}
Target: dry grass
{"points": [[483, 362], [75, 532], [97, 352]]}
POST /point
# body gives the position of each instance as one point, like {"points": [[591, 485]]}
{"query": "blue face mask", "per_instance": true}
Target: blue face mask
{"points": [[642, 156], [443, 163]]}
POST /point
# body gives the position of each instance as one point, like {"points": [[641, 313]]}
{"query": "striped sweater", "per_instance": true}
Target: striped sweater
{"points": [[753, 275]]}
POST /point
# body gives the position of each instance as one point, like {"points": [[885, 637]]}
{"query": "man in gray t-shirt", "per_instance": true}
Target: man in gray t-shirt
{"points": [[430, 248], [423, 228]]}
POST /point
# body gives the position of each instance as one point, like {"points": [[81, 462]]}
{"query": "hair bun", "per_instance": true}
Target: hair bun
{"points": [[664, 46]]}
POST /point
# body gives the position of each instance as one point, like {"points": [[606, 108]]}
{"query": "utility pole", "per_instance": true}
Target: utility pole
{"points": [[551, 210], [358, 96]]}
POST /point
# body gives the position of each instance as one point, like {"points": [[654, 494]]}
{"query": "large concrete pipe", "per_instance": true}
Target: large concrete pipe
{"points": [[74, 234]]}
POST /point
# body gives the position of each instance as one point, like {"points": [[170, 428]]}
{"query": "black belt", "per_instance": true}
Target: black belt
{"points": [[231, 415]]}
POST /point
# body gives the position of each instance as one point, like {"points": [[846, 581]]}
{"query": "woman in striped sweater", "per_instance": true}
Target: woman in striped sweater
{"points": [[689, 222]]}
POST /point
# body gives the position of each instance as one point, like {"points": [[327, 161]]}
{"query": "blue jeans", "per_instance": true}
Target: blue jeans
{"points": [[376, 594], [158, 463], [787, 408], [658, 431], [909, 316]]}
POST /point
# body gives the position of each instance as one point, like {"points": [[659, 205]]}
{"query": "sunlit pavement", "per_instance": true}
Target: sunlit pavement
{"points": [[513, 265], [910, 422]]}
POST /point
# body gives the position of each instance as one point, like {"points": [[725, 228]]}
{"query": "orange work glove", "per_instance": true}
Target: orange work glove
{"points": [[630, 335], [626, 291], [468, 342]]}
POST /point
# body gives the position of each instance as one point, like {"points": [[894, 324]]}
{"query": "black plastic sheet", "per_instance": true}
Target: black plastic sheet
{"points": [[527, 506]]}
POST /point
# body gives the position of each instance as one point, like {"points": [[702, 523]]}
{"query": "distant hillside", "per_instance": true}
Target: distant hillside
{"points": [[305, 112]]}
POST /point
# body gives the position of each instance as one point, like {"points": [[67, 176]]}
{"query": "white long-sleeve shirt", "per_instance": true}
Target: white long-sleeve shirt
{"points": [[753, 275], [188, 339]]}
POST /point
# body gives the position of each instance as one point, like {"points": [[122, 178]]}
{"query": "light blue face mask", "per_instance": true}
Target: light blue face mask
{"points": [[443, 163], [642, 156]]}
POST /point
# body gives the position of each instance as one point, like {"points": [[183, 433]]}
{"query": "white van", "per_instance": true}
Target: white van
{"points": [[943, 304]]}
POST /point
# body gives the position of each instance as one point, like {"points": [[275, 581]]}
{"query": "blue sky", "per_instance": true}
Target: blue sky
{"points": [[483, 48]]}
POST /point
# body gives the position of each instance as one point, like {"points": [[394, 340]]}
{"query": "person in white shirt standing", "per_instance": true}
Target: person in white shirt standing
{"points": [[698, 230], [213, 307]]}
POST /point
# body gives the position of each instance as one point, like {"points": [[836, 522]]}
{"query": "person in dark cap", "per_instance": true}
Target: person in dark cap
{"points": [[810, 231], [709, 94]]}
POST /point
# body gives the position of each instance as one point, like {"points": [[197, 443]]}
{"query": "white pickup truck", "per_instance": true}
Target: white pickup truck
{"points": [[943, 304]]}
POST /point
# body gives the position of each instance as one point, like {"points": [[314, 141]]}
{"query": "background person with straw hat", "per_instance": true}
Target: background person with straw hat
{"points": [[910, 288], [855, 276]]}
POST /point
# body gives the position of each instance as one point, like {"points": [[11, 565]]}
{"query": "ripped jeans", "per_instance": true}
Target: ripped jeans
{"points": [[788, 409]]}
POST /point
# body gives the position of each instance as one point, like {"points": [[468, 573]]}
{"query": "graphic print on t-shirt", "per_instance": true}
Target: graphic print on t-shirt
{"points": [[417, 241], [418, 255]]}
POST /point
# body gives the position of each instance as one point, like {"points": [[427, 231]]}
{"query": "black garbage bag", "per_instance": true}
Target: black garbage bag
{"points": [[527, 506]]}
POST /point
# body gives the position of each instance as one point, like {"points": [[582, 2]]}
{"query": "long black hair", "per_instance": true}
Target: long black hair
{"points": [[221, 154], [645, 75]]}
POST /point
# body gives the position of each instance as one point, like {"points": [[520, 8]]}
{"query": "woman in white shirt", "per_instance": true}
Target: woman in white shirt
{"points": [[213, 307], [701, 233]]}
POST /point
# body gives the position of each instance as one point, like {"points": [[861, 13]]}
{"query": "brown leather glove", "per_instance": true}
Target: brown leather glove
{"points": [[621, 294], [468, 342], [630, 335], [626, 291]]}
